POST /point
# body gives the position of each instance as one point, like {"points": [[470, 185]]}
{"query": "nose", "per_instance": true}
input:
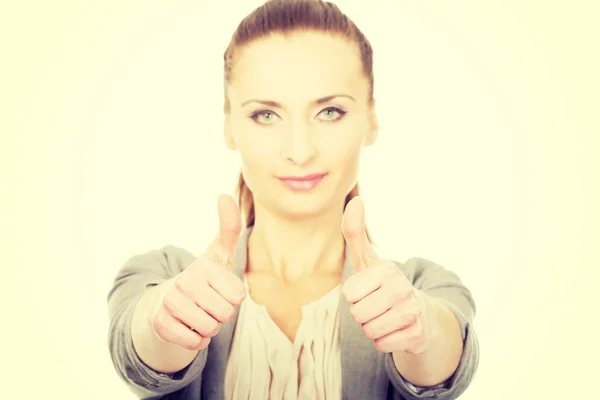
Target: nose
{"points": [[299, 144]]}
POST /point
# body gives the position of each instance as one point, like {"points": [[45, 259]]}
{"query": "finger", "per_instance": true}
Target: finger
{"points": [[381, 273], [169, 329], [230, 227], [185, 310], [372, 306], [353, 228], [361, 285], [394, 319], [392, 292], [213, 303], [411, 339], [225, 283]]}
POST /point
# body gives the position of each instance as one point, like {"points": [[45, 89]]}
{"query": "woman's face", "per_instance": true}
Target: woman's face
{"points": [[299, 107]]}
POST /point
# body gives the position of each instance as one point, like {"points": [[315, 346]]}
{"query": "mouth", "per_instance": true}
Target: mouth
{"points": [[302, 183]]}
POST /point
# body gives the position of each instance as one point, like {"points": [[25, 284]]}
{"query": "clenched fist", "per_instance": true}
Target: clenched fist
{"points": [[389, 309], [205, 294]]}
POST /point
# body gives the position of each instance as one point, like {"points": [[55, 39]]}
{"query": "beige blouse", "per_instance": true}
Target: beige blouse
{"points": [[265, 364]]}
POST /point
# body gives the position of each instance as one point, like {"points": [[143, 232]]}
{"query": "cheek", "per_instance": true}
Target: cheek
{"points": [[255, 161], [256, 147], [343, 146], [349, 167], [259, 157], [255, 172], [342, 157]]}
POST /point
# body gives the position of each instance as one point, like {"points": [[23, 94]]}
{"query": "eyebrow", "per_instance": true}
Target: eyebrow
{"points": [[321, 100]]}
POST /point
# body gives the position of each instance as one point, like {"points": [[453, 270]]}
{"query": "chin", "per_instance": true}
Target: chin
{"points": [[302, 212]]}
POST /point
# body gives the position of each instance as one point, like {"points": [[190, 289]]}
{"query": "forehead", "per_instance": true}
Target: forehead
{"points": [[299, 66]]}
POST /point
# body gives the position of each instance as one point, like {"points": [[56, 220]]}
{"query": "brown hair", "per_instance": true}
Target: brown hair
{"points": [[283, 17]]}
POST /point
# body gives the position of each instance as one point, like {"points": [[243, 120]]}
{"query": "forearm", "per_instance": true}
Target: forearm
{"points": [[158, 355], [436, 364]]}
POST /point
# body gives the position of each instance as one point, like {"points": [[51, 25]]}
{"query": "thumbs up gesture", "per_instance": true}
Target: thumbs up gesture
{"points": [[389, 309], [204, 295]]}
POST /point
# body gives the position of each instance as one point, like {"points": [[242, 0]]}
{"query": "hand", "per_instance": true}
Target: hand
{"points": [[204, 295], [389, 309]]}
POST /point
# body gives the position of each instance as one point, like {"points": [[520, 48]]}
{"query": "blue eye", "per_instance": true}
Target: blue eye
{"points": [[264, 117], [332, 113]]}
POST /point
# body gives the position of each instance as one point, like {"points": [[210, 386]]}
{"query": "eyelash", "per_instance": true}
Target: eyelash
{"points": [[341, 112]]}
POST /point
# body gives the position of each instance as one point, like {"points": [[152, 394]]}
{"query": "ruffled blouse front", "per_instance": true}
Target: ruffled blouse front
{"points": [[265, 364]]}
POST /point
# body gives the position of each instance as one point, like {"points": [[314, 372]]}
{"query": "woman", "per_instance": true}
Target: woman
{"points": [[320, 316]]}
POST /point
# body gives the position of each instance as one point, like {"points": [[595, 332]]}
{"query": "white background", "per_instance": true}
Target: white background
{"points": [[484, 164]]}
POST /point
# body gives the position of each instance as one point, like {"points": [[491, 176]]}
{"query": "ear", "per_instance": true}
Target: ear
{"points": [[373, 126], [229, 141]]}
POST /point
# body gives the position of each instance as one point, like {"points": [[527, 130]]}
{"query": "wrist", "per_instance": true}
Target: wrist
{"points": [[432, 311], [145, 309]]}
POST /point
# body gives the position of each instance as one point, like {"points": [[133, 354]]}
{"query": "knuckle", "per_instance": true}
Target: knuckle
{"points": [[379, 345], [193, 343], [346, 291], [368, 331], [226, 314], [241, 297], [159, 325], [418, 335], [355, 313], [170, 303], [239, 285], [236, 283], [416, 312], [412, 319], [397, 295], [158, 318], [212, 328], [181, 284], [203, 343]]}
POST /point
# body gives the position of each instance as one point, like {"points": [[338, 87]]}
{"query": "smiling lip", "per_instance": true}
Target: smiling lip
{"points": [[305, 178], [302, 183]]}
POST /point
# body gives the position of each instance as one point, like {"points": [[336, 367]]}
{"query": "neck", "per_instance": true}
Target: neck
{"points": [[293, 250]]}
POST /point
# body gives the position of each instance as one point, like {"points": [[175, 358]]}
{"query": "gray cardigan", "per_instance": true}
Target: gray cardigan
{"points": [[366, 372]]}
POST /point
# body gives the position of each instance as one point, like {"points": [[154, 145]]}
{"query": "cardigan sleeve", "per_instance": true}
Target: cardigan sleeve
{"points": [[446, 287], [136, 275]]}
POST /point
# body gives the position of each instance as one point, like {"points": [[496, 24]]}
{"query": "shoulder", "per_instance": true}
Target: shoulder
{"points": [[168, 258]]}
